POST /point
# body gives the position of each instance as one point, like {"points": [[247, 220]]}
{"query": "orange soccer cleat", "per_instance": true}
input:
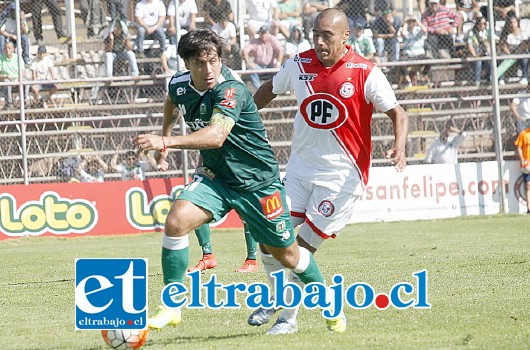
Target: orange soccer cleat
{"points": [[208, 261], [248, 266]]}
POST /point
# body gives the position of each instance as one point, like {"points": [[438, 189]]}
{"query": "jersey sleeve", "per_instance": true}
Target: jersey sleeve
{"points": [[282, 82], [378, 91], [230, 99]]}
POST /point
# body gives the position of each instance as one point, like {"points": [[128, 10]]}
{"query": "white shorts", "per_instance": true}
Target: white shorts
{"points": [[326, 211]]}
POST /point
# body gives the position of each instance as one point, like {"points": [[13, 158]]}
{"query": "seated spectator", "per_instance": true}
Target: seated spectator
{"points": [[520, 107], [413, 33], [150, 17], [363, 44], [355, 11], [169, 59], [444, 150], [42, 70], [289, 15], [135, 166], [8, 72], [8, 32], [385, 30], [440, 22], [213, 10], [467, 11], [513, 41], [117, 9], [265, 51], [118, 47], [227, 30], [296, 43], [91, 169], [187, 12], [310, 11], [261, 13], [502, 8], [478, 46], [377, 7]]}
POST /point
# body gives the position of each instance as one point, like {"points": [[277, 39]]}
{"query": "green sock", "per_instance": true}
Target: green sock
{"points": [[311, 273], [203, 236], [251, 244], [174, 264]]}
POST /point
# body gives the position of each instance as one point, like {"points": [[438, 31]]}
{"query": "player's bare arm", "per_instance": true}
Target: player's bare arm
{"points": [[264, 95], [400, 123]]}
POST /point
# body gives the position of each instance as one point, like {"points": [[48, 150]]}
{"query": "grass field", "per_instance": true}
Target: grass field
{"points": [[479, 288]]}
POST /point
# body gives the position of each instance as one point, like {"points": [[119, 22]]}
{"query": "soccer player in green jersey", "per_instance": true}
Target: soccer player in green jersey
{"points": [[239, 169]]}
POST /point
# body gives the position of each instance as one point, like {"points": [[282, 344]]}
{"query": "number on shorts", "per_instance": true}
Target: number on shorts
{"points": [[196, 181]]}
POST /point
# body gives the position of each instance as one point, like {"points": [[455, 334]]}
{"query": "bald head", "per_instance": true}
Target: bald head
{"points": [[333, 17], [330, 33]]}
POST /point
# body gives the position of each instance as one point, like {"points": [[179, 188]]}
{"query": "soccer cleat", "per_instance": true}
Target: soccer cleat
{"points": [[249, 266], [164, 317], [281, 326], [338, 324], [208, 261], [261, 316]]}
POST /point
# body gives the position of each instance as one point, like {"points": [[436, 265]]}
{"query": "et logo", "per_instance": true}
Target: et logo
{"points": [[110, 294]]}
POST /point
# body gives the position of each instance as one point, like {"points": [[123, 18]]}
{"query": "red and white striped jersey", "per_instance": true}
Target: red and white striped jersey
{"points": [[332, 140]]}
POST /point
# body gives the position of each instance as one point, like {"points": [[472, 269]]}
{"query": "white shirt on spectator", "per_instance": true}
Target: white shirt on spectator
{"points": [[445, 153], [42, 67], [523, 106], [260, 10], [185, 10], [226, 33], [150, 12], [86, 177]]}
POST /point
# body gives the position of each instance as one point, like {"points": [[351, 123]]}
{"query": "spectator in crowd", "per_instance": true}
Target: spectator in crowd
{"points": [[478, 46], [262, 13], [227, 31], [502, 8], [8, 72], [135, 166], [42, 70], [93, 16], [8, 32], [363, 44], [523, 151], [520, 107], [413, 33], [187, 12], [91, 169], [440, 22], [355, 11], [265, 51], [118, 9], [310, 11], [377, 7], [150, 17], [214, 10], [44, 167], [289, 15], [513, 41], [467, 11], [385, 30], [169, 59], [444, 150], [296, 43], [119, 47], [55, 11]]}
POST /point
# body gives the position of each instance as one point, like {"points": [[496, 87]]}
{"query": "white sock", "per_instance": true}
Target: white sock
{"points": [[290, 314], [270, 265], [175, 243]]}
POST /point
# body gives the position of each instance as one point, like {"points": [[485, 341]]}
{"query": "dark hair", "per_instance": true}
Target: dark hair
{"points": [[130, 154], [196, 43]]}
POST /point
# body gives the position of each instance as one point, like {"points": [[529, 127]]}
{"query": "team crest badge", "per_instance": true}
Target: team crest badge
{"points": [[326, 208], [346, 90]]}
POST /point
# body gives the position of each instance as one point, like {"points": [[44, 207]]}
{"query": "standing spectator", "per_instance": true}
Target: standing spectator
{"points": [[355, 10], [478, 46], [413, 34], [227, 31], [513, 41], [523, 151], [42, 70], [187, 12], [440, 22], [93, 16], [92, 169], [150, 17], [118, 9], [135, 166], [118, 46], [8, 72], [385, 29], [310, 11], [296, 43], [261, 13], [444, 150], [520, 107], [266, 51], [289, 15], [55, 11], [8, 32], [213, 10], [362, 44]]}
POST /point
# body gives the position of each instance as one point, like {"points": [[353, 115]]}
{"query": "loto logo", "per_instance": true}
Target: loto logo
{"points": [[143, 214], [272, 205], [49, 214], [110, 294]]}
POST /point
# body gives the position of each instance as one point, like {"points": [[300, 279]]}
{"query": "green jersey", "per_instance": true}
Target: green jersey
{"points": [[245, 161]]}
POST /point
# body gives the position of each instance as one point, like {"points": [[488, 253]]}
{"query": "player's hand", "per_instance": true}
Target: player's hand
{"points": [[399, 160], [149, 142], [161, 160]]}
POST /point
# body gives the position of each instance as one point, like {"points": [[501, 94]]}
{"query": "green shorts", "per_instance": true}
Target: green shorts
{"points": [[265, 211]]}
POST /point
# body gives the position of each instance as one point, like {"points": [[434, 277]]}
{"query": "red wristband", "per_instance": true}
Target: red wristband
{"points": [[164, 143]]}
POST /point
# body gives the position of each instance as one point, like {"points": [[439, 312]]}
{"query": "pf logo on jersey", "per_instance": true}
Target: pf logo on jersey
{"points": [[323, 111]]}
